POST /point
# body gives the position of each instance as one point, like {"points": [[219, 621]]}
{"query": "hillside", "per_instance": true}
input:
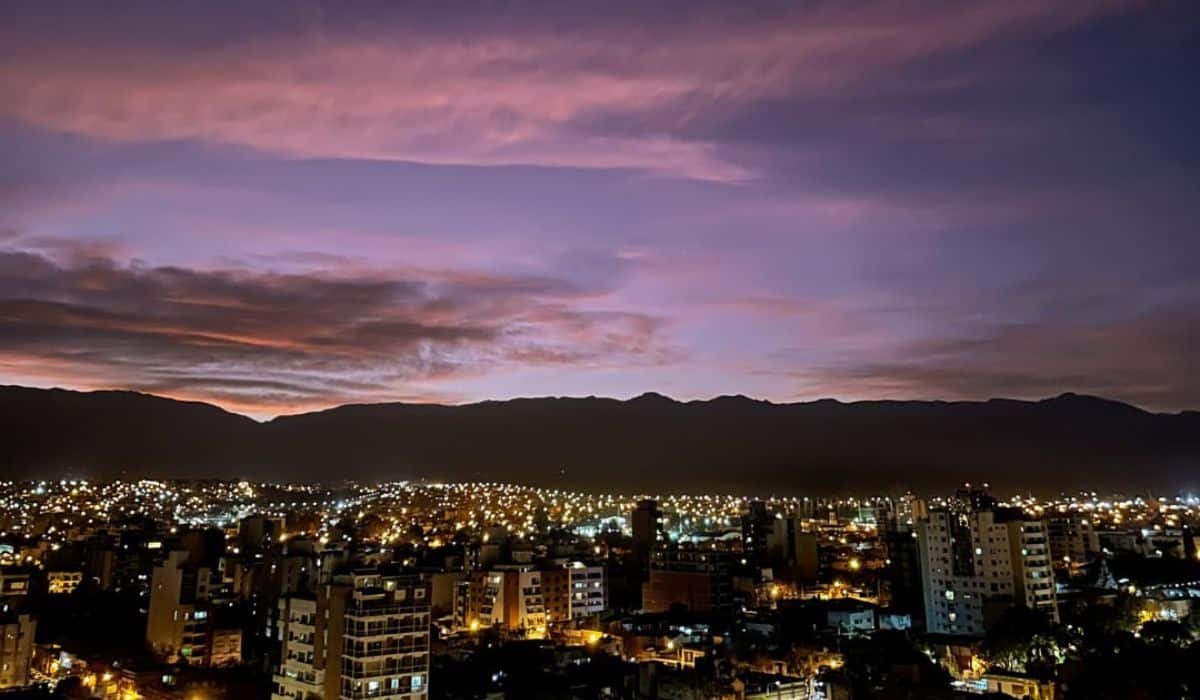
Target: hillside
{"points": [[650, 442]]}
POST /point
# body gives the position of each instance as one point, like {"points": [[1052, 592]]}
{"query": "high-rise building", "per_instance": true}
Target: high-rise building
{"points": [[758, 524], [382, 622], [17, 630], [16, 648], [257, 532], [301, 672], [904, 564], [365, 635], [699, 581], [977, 560], [179, 627], [588, 587], [509, 597], [1033, 575], [647, 532], [792, 552], [1073, 539]]}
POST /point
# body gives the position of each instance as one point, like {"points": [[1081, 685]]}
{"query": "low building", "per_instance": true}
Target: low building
{"points": [[1018, 685], [849, 616]]}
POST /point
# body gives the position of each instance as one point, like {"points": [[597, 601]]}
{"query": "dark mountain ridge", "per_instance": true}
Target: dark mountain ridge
{"points": [[651, 442]]}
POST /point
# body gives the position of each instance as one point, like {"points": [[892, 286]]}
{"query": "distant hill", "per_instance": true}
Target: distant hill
{"points": [[652, 442]]}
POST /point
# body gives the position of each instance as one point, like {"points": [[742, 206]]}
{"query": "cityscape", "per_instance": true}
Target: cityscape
{"points": [[599, 350], [226, 589]]}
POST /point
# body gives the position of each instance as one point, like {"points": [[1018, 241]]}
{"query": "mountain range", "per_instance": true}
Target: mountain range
{"points": [[648, 443]]}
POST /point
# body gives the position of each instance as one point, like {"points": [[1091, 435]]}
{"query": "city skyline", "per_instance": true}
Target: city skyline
{"points": [[294, 206], [672, 350]]}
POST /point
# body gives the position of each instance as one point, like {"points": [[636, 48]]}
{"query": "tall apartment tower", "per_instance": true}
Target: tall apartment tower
{"points": [[898, 531], [976, 561], [701, 582], [518, 599], [17, 630], [588, 589], [791, 551], [179, 626], [301, 672], [758, 524], [365, 635], [1073, 539], [647, 531]]}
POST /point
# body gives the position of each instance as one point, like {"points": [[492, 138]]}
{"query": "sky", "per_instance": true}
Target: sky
{"points": [[280, 207]]}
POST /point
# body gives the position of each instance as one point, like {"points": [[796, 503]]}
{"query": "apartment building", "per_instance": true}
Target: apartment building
{"points": [[180, 627], [301, 672], [512, 597], [1073, 539], [976, 561], [699, 581], [364, 635], [588, 588], [17, 631], [573, 591]]}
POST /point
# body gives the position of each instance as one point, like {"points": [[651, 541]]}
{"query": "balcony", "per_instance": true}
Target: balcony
{"points": [[360, 631], [390, 608], [380, 693], [385, 670], [394, 649]]}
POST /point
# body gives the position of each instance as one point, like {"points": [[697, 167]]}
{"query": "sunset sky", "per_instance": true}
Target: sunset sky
{"points": [[279, 207]]}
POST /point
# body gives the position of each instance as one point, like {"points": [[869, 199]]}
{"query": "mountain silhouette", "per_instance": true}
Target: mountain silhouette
{"points": [[648, 443]]}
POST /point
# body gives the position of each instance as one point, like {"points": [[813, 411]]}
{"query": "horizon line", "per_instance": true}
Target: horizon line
{"points": [[649, 394]]}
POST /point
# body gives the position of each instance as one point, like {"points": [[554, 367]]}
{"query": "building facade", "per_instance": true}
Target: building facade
{"points": [[301, 672], [699, 581], [978, 561], [364, 635], [179, 626], [1073, 539]]}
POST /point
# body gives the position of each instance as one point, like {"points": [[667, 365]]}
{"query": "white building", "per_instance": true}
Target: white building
{"points": [[588, 589], [974, 564], [301, 672]]}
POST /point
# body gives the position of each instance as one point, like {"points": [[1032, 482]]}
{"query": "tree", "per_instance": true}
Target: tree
{"points": [[1166, 633], [1021, 638]]}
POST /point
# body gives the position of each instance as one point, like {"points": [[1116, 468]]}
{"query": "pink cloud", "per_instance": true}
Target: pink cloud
{"points": [[472, 96], [252, 340]]}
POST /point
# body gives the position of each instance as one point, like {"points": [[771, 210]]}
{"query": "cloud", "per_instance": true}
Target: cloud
{"points": [[267, 341], [525, 87]]}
